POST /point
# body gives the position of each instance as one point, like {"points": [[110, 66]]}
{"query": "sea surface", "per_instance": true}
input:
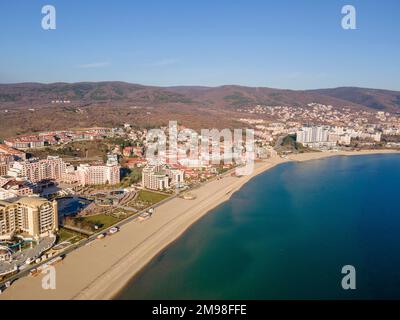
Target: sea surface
{"points": [[287, 234]]}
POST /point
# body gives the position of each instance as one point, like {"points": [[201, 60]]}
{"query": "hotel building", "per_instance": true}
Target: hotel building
{"points": [[33, 216], [160, 177], [153, 177], [98, 174], [35, 170], [176, 176], [312, 134], [315, 137]]}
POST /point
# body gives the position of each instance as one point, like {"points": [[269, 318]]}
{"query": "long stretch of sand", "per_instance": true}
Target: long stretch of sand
{"points": [[102, 268]]}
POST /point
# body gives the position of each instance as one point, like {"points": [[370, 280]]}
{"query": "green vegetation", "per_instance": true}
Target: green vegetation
{"points": [[289, 144], [102, 220], [171, 98], [150, 197], [130, 177], [81, 149], [120, 142], [99, 94], [80, 90], [65, 235], [386, 138], [222, 170], [9, 97], [397, 100], [238, 99]]}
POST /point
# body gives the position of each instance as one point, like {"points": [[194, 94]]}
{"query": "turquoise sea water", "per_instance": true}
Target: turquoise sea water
{"points": [[287, 234]]}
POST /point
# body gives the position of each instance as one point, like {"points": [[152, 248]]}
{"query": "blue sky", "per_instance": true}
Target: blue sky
{"points": [[296, 44]]}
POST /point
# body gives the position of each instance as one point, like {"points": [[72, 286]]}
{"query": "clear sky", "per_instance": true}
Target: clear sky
{"points": [[296, 44]]}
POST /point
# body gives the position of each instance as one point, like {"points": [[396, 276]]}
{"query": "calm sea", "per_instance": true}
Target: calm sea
{"points": [[287, 234]]}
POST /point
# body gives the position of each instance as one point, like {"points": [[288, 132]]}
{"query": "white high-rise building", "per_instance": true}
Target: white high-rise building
{"points": [[177, 176], [98, 174], [153, 177], [312, 134]]}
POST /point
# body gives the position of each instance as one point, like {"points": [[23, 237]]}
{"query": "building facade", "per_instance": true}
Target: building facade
{"points": [[312, 135], [12, 188], [154, 178], [35, 170], [162, 177], [6, 161], [17, 154], [176, 176], [33, 216], [98, 174]]}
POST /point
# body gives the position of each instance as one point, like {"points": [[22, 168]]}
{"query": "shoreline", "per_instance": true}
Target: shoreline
{"points": [[103, 268]]}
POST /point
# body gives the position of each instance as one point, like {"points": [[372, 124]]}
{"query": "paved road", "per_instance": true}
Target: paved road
{"points": [[20, 258], [82, 243]]}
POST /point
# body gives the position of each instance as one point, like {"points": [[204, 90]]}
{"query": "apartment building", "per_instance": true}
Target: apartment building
{"points": [[312, 134], [98, 174], [12, 188], [25, 142], [176, 176], [316, 137], [161, 177], [155, 178], [32, 216], [5, 162], [16, 154], [35, 170]]}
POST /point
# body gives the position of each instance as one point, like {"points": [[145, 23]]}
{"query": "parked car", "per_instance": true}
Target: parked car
{"points": [[113, 230], [101, 236]]}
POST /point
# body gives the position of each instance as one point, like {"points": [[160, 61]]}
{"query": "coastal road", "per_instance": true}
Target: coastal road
{"points": [[70, 249], [82, 243]]}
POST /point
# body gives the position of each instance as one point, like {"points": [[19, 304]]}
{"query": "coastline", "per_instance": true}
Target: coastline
{"points": [[103, 268]]}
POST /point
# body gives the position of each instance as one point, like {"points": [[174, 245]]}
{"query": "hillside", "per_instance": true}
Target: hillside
{"points": [[237, 96], [31, 107], [383, 100]]}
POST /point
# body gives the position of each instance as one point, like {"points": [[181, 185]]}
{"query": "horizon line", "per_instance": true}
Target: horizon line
{"points": [[193, 85]]}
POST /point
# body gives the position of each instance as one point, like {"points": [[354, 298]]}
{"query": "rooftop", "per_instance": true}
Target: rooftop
{"points": [[30, 201]]}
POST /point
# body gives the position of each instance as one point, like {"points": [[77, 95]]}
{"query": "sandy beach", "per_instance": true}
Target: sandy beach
{"points": [[102, 268]]}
